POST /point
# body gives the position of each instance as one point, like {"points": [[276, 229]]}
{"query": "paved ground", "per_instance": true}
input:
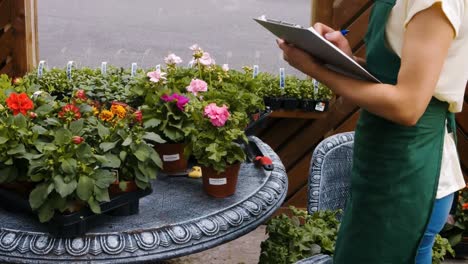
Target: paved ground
{"points": [[144, 31]]}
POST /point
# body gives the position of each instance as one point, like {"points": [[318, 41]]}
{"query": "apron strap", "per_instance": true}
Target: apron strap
{"points": [[452, 125]]}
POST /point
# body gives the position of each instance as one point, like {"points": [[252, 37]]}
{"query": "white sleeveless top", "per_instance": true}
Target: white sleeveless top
{"points": [[454, 76]]}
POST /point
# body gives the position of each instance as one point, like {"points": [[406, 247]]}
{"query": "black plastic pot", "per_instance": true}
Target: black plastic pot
{"points": [[308, 105], [77, 223], [275, 103], [290, 103]]}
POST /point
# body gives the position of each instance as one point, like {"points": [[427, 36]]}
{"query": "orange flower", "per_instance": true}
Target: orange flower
{"points": [[465, 206], [118, 110], [106, 115], [19, 103]]}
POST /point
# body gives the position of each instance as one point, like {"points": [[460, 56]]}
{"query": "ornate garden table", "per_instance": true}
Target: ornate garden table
{"points": [[177, 219]]}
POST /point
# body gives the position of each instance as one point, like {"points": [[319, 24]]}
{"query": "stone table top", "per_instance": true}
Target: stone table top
{"points": [[177, 219]]}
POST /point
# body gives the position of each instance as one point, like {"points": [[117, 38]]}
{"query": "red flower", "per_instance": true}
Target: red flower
{"points": [[465, 206], [19, 103], [70, 112], [77, 140], [138, 116], [81, 94]]}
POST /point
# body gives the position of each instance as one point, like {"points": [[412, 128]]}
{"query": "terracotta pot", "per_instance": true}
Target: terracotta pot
{"points": [[172, 155], [222, 184], [114, 188]]}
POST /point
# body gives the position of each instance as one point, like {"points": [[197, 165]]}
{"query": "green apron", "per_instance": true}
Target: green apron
{"points": [[395, 169]]}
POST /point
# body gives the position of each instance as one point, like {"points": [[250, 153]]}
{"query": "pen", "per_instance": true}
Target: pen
{"points": [[344, 32]]}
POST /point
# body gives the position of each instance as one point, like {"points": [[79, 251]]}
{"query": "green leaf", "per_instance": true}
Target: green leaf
{"points": [[84, 152], [109, 161], [106, 146], [155, 158], [76, 126], [69, 166], [85, 188], [142, 153], [39, 194], [63, 136], [18, 149], [3, 140], [62, 188], [8, 172], [44, 110], [127, 141], [53, 122], [153, 137], [101, 195], [20, 121], [103, 131], [152, 123], [94, 206], [39, 130], [123, 155], [46, 212], [104, 178]]}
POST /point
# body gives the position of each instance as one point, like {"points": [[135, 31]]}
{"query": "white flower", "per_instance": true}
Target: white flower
{"points": [[172, 59]]}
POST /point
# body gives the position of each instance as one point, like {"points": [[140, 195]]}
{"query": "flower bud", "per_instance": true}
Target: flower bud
{"points": [[17, 81], [32, 115], [138, 116], [80, 94], [77, 140]]}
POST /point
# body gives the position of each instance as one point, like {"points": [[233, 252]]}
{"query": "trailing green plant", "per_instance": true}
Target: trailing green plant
{"points": [[440, 249], [291, 239]]}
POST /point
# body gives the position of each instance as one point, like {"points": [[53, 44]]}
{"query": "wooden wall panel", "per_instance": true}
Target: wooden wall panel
{"points": [[344, 12]]}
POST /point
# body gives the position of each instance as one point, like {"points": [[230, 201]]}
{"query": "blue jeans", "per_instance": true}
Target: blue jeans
{"points": [[439, 216]]}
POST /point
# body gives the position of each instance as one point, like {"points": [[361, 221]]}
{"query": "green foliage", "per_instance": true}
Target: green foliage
{"points": [[322, 92], [440, 249], [291, 239], [293, 87]]}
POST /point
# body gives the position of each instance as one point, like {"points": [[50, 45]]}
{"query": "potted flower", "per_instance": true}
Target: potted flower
{"points": [[164, 112], [270, 90], [214, 143]]}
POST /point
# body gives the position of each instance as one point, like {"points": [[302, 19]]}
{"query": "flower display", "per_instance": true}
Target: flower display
{"points": [[172, 59], [197, 86], [19, 103], [206, 59], [217, 115], [156, 76]]}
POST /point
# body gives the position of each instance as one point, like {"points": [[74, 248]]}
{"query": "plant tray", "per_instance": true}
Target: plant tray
{"points": [[254, 124], [77, 223]]}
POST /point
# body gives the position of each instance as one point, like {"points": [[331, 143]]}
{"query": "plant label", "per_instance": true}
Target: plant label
{"points": [[218, 181], [173, 157], [320, 106]]}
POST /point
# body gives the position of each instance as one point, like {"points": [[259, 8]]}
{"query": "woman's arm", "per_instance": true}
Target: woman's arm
{"points": [[426, 42]]}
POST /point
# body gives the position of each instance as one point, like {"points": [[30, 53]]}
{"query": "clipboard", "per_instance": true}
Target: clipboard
{"points": [[316, 45]]}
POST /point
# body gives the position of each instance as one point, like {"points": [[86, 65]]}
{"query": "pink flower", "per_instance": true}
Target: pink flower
{"points": [[225, 67], [156, 76], [80, 94], [138, 116], [195, 47], [196, 86], [77, 140], [172, 59], [218, 115], [206, 59], [180, 100]]}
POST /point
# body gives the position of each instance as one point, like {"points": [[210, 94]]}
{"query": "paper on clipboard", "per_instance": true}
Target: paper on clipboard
{"points": [[313, 43]]}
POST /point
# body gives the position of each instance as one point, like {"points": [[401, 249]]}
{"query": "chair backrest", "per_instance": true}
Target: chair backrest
{"points": [[329, 174]]}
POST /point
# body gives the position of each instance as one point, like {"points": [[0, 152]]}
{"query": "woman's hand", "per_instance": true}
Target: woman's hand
{"points": [[298, 58], [335, 37]]}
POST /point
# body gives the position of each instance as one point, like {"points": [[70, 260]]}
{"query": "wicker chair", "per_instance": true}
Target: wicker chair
{"points": [[329, 180]]}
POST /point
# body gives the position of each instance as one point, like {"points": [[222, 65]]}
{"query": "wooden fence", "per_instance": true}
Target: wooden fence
{"points": [[18, 36]]}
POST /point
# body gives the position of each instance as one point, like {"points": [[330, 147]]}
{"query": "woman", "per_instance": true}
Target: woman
{"points": [[403, 142]]}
